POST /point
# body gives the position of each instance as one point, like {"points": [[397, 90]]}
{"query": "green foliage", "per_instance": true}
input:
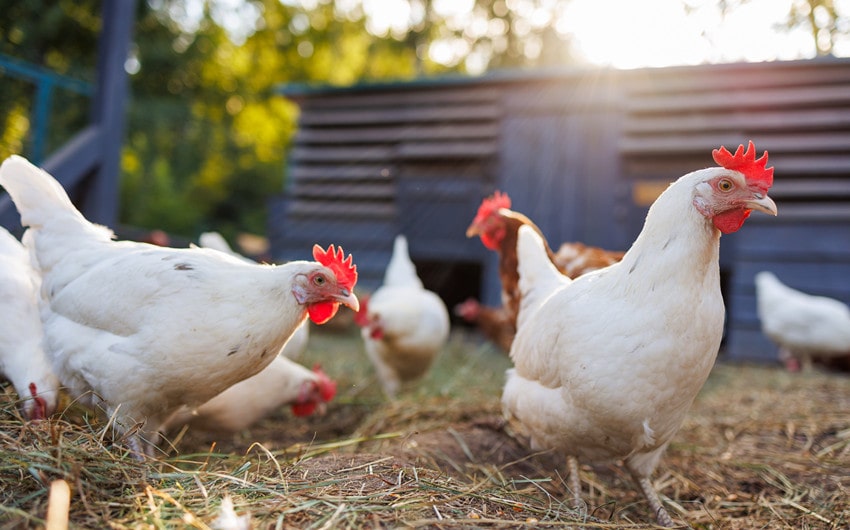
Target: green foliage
{"points": [[61, 37]]}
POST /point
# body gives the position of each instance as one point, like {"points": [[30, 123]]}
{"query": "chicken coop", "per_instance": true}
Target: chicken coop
{"points": [[583, 153]]}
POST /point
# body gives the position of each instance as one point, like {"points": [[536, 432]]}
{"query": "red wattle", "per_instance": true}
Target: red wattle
{"points": [[303, 409], [731, 221], [322, 311], [489, 242]]}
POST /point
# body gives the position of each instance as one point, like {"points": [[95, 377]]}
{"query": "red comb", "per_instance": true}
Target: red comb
{"points": [[327, 387], [343, 268], [746, 162], [492, 204]]}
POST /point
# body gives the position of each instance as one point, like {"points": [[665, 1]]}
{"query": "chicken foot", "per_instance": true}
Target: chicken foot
{"points": [[654, 501]]}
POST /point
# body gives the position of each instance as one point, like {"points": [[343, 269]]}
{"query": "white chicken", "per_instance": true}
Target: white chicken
{"points": [[805, 327], [607, 365], [297, 343], [404, 326], [22, 357], [143, 330]]}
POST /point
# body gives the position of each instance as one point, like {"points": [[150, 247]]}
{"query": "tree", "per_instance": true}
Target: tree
{"points": [[823, 20], [58, 36]]}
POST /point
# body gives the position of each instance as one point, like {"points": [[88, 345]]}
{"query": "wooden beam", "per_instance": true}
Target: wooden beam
{"points": [[108, 108]]}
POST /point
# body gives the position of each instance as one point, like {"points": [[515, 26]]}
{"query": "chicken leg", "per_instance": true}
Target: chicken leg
{"points": [[654, 501], [575, 481]]}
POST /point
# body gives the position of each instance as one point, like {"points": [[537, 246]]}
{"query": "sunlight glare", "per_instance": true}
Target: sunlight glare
{"points": [[661, 32]]}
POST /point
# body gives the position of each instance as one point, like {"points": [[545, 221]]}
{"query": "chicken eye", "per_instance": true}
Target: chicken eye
{"points": [[725, 185], [319, 280]]}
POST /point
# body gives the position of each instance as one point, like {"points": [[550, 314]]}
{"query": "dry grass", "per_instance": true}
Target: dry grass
{"points": [[760, 449]]}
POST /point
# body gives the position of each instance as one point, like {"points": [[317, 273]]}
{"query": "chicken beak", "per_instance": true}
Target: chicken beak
{"points": [[473, 230], [347, 298], [762, 203]]}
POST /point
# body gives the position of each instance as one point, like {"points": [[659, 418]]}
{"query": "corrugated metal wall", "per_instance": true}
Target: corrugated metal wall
{"points": [[583, 153]]}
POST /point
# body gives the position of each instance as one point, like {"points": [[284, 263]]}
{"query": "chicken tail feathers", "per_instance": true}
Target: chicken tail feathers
{"points": [[401, 271], [38, 196], [538, 277], [44, 204]]}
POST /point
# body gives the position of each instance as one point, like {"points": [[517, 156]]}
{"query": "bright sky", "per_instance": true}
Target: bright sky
{"points": [[630, 34]]}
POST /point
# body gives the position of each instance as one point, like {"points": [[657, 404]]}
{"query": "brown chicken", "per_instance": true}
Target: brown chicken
{"points": [[494, 322], [497, 226]]}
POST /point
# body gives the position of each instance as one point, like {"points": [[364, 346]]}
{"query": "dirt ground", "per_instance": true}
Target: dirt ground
{"points": [[760, 448]]}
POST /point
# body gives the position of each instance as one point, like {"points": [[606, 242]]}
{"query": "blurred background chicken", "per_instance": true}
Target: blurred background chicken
{"points": [[493, 322], [808, 329], [22, 358], [497, 225], [404, 326], [281, 383], [141, 330], [607, 365]]}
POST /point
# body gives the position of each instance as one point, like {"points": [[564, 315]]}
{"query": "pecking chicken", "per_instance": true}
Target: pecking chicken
{"points": [[282, 382], [22, 357], [607, 365], [806, 328], [497, 225], [493, 322], [142, 330], [297, 343], [404, 326]]}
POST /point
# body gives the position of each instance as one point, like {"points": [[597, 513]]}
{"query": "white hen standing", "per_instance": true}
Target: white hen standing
{"points": [[143, 330], [22, 357], [607, 365], [804, 326], [404, 326]]}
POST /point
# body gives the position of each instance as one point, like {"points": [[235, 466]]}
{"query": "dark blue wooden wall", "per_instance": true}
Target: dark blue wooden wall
{"points": [[583, 153], [558, 161]]}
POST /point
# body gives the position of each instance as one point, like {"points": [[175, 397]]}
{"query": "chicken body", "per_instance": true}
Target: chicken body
{"points": [[497, 226], [805, 327], [141, 330], [574, 259], [404, 326], [608, 364], [297, 343], [22, 357]]}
